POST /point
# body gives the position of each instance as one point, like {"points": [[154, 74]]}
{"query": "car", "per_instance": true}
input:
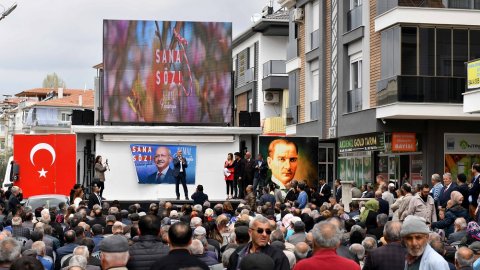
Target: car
{"points": [[46, 201]]}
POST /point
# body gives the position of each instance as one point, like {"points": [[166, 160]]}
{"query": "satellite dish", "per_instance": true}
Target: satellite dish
{"points": [[256, 17]]}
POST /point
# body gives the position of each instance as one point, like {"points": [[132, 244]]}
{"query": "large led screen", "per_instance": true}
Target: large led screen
{"points": [[167, 72]]}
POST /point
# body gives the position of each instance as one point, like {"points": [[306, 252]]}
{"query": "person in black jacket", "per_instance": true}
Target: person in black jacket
{"points": [[259, 231], [198, 196], [94, 197], [475, 189], [463, 188], [324, 190], [238, 181], [179, 257], [148, 248]]}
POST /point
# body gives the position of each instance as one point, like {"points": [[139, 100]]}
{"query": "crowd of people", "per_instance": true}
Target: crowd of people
{"points": [[303, 227]]}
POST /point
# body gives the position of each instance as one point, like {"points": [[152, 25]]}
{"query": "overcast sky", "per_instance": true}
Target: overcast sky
{"points": [[65, 36]]}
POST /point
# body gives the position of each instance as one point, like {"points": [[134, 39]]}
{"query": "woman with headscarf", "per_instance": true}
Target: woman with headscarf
{"points": [[454, 210], [369, 214]]}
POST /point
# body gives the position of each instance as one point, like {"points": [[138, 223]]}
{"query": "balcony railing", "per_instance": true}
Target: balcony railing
{"points": [[315, 39], [292, 115], [385, 5], [292, 49], [420, 89], [274, 67], [247, 76], [314, 110], [354, 18], [354, 100], [37, 123]]}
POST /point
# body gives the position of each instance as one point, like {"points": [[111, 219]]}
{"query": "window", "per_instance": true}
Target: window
{"points": [[356, 74], [444, 52], [355, 3], [409, 51], [315, 16], [66, 117], [354, 94], [460, 52], [474, 44], [427, 51]]}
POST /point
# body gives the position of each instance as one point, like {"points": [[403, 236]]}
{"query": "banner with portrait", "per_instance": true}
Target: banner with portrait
{"points": [[154, 163], [290, 158]]}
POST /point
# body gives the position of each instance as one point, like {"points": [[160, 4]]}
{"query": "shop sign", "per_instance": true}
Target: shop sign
{"points": [[404, 142], [473, 74], [364, 142], [462, 143]]}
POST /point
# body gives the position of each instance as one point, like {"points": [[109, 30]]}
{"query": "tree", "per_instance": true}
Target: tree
{"points": [[53, 81]]}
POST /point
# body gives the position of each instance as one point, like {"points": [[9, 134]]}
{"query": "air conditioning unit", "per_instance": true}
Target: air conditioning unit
{"points": [[271, 97], [298, 15]]}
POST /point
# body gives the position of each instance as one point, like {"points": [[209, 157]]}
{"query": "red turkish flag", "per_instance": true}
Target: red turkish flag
{"points": [[47, 163]]}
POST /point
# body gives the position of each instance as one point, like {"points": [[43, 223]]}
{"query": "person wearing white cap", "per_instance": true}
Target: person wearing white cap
{"points": [[420, 255]]}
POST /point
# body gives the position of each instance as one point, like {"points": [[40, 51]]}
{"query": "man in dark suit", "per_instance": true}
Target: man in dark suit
{"points": [[338, 190], [475, 189], [448, 187], [249, 169], [462, 187], [179, 172], [163, 175], [325, 191], [391, 255], [260, 173], [94, 197]]}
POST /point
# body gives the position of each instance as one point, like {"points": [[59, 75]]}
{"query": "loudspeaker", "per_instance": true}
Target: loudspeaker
{"points": [[77, 117], [83, 117], [244, 119], [255, 119], [88, 118]]}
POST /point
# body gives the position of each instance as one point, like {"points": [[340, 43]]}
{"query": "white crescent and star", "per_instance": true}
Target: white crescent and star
{"points": [[42, 146]]}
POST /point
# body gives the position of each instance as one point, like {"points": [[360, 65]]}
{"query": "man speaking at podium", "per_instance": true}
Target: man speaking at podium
{"points": [[179, 166]]}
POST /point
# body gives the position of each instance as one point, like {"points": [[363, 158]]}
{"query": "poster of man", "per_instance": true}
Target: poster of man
{"points": [[155, 163], [290, 158]]}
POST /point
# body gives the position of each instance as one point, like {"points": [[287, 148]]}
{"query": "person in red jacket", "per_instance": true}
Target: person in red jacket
{"points": [[327, 237]]}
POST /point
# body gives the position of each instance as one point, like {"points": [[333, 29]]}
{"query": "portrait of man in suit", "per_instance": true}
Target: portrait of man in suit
{"points": [[163, 175]]}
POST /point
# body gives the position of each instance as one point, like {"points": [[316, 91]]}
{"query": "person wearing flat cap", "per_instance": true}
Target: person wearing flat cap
{"points": [[114, 252], [420, 255]]}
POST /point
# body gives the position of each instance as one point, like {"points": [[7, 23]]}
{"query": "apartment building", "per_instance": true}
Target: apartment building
{"points": [[260, 80], [43, 110], [388, 98]]}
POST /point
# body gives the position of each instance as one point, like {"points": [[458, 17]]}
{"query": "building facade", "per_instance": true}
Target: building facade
{"points": [[390, 88], [259, 78]]}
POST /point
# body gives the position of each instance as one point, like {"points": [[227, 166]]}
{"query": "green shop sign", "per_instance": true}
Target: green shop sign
{"points": [[364, 142]]}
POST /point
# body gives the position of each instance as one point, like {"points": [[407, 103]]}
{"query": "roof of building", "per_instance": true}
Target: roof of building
{"points": [[275, 24], [281, 15], [87, 100], [38, 92]]}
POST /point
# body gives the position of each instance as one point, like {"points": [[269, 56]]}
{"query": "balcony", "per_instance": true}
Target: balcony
{"points": [[245, 77], [274, 75], [385, 5], [314, 39], [274, 126], [354, 100], [420, 89], [354, 18]]}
